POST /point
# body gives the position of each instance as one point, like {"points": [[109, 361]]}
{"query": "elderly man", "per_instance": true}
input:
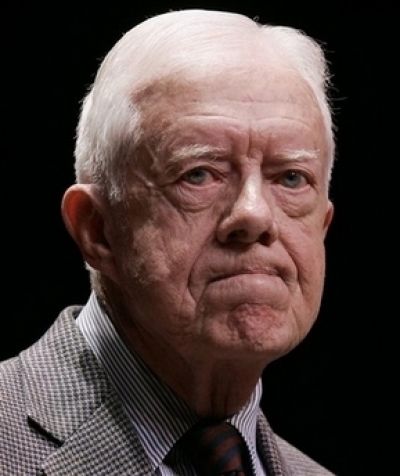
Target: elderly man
{"points": [[203, 158]]}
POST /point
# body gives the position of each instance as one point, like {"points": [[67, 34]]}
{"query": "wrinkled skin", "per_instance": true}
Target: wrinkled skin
{"points": [[215, 263]]}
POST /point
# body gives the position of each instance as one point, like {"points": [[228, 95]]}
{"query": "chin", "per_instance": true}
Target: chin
{"points": [[255, 332], [272, 342], [255, 347]]}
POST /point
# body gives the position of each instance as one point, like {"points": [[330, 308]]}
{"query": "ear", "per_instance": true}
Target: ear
{"points": [[328, 216], [84, 212]]}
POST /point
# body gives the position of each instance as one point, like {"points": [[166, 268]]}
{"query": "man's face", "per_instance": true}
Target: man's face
{"points": [[220, 252]]}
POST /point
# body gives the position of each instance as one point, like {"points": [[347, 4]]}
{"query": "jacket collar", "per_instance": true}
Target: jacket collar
{"points": [[268, 449], [70, 401]]}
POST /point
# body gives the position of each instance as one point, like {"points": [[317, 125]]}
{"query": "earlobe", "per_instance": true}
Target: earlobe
{"points": [[83, 213]]}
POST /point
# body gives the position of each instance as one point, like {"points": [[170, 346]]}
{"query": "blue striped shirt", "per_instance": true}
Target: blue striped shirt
{"points": [[158, 415]]}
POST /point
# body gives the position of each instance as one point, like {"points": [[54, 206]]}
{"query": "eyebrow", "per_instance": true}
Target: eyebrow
{"points": [[185, 154], [195, 151], [198, 151], [213, 153], [300, 154]]}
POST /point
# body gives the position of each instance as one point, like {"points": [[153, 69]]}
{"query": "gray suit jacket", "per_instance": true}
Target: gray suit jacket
{"points": [[59, 416]]}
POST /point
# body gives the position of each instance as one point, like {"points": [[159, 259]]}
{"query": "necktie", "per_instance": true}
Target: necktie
{"points": [[216, 449]]}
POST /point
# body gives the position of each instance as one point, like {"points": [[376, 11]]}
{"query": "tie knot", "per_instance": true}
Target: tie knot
{"points": [[216, 448]]}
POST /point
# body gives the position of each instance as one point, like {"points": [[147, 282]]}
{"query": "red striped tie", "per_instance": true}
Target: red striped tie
{"points": [[216, 449]]}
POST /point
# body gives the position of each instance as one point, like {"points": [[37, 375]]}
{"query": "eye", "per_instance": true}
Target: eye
{"points": [[197, 176], [293, 179]]}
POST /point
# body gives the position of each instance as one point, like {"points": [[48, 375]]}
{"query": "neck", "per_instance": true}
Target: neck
{"points": [[214, 391], [212, 387], [212, 382]]}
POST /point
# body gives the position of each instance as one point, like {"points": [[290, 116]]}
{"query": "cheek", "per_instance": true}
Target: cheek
{"points": [[164, 249], [151, 255], [146, 255], [312, 274], [305, 245], [306, 250]]}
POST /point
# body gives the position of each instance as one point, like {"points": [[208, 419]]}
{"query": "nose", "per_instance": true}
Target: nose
{"points": [[251, 217]]}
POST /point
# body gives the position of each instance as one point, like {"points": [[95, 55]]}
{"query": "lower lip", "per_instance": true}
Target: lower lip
{"points": [[249, 287]]}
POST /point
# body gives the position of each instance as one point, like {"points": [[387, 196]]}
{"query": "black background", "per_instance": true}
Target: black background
{"points": [[323, 397]]}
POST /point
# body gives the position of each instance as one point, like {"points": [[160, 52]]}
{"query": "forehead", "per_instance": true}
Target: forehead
{"points": [[226, 101]]}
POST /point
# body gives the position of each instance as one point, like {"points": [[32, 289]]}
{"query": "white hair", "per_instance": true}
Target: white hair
{"points": [[176, 43]]}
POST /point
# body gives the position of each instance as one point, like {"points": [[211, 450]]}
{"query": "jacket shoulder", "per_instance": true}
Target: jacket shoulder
{"points": [[22, 447]]}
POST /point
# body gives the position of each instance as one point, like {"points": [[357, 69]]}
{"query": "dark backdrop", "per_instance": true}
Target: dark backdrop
{"points": [[322, 397]]}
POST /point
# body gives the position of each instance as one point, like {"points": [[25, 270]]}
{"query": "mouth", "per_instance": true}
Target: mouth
{"points": [[241, 272]]}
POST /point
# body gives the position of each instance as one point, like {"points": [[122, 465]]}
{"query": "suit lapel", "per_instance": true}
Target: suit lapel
{"points": [[103, 445], [71, 402], [268, 449]]}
